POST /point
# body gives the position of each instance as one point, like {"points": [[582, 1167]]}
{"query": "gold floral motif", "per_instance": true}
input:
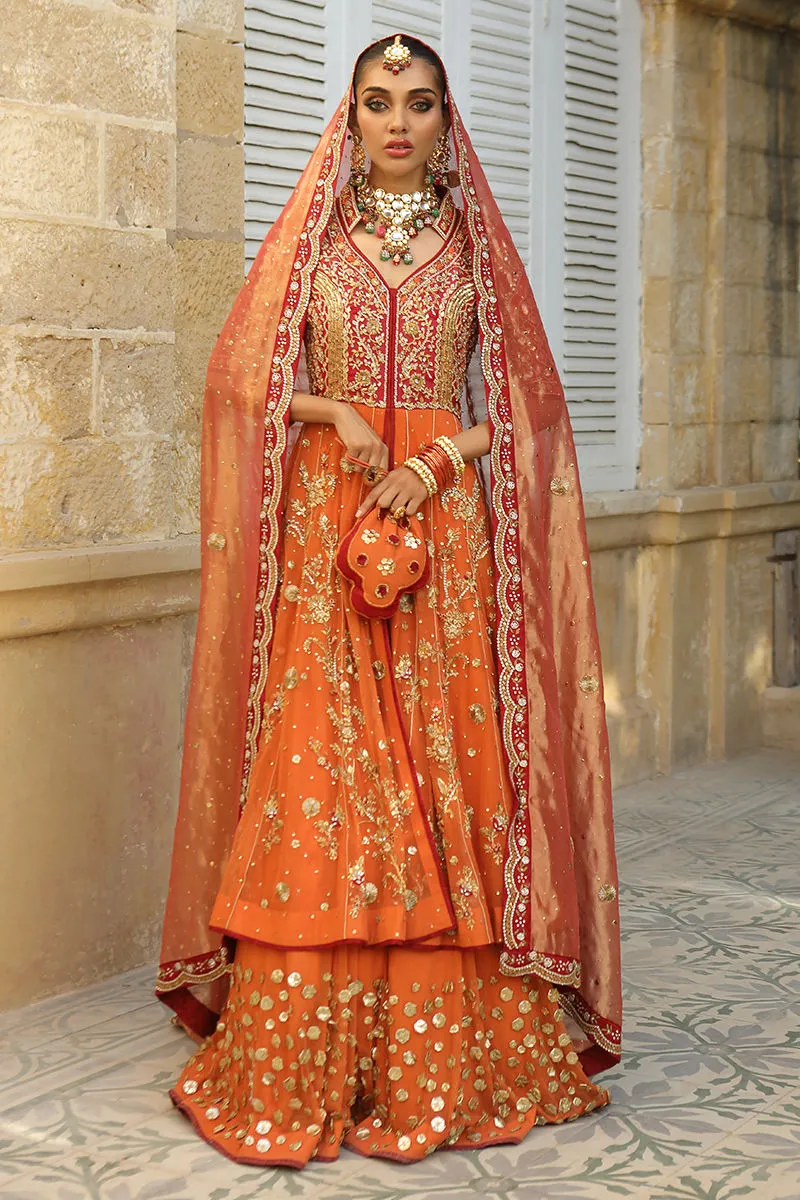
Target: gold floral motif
{"points": [[290, 678], [478, 713], [283, 891], [589, 683], [310, 806], [379, 670], [559, 486], [216, 541], [292, 592], [387, 566], [607, 892], [369, 536]]}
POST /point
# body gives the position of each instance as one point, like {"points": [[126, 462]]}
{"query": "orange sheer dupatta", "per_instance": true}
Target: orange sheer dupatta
{"points": [[561, 919]]}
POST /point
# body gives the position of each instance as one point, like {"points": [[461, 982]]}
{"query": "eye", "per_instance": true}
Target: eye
{"points": [[371, 104]]}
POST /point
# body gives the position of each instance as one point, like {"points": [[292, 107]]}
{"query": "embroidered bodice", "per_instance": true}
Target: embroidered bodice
{"points": [[407, 346]]}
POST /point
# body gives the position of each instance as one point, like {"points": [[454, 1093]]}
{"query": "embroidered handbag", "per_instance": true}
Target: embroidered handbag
{"points": [[381, 558]]}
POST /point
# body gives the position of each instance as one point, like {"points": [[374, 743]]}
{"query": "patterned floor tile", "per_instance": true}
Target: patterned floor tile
{"points": [[704, 1104]]}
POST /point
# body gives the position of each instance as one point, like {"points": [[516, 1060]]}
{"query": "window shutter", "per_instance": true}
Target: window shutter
{"points": [[500, 116], [284, 97], [419, 18], [592, 219]]}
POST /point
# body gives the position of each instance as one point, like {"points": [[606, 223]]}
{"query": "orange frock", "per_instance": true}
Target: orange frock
{"points": [[365, 884]]}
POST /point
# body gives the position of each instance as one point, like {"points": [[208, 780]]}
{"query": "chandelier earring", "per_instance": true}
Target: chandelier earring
{"points": [[439, 162], [358, 161]]}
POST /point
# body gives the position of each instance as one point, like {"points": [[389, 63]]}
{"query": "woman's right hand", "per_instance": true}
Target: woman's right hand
{"points": [[360, 439]]}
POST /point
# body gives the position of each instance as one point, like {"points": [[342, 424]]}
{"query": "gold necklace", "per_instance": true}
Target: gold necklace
{"points": [[397, 217]]}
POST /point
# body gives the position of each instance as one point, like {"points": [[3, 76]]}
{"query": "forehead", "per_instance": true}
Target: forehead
{"points": [[420, 75]]}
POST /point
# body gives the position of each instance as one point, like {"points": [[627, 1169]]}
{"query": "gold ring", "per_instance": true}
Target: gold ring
{"points": [[399, 512]]}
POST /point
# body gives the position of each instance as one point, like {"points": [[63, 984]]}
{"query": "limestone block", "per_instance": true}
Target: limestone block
{"points": [[55, 52], [45, 387], [49, 164], [733, 453], [746, 388], [658, 100], [747, 109], [784, 388], [210, 86], [210, 187], [139, 177], [747, 662], [654, 457], [690, 180], [89, 755], [736, 305], [655, 388], [187, 486], [615, 583], [690, 456], [689, 245], [749, 52], [210, 275], [691, 652], [192, 352], [694, 39], [690, 398], [692, 101], [688, 304], [658, 226], [746, 177], [155, 8], [784, 315], [83, 491], [657, 172], [746, 249], [225, 17], [136, 387], [73, 276], [656, 302], [775, 450], [780, 708]]}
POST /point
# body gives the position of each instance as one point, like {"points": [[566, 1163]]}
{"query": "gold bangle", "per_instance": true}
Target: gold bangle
{"points": [[425, 473], [453, 453]]}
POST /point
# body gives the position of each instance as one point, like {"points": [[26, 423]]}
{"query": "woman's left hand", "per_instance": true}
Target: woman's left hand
{"points": [[402, 486]]}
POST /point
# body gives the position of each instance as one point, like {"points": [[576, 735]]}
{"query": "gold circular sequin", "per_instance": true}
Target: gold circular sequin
{"points": [[404, 1142], [438, 1124]]}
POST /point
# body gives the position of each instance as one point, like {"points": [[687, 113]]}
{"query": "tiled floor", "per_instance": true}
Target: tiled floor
{"points": [[706, 1103]]}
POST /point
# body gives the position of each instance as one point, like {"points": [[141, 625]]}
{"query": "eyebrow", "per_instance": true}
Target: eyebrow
{"points": [[411, 91]]}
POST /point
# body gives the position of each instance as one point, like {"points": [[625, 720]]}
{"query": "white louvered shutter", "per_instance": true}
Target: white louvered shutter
{"points": [[284, 98], [418, 18], [591, 344], [500, 108]]}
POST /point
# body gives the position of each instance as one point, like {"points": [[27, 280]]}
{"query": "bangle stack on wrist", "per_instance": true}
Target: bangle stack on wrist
{"points": [[438, 465]]}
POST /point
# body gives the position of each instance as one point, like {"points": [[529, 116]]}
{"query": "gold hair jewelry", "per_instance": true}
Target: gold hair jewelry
{"points": [[397, 217], [396, 57]]}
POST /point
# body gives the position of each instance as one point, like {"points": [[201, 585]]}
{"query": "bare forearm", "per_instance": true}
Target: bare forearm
{"points": [[473, 442], [311, 409]]}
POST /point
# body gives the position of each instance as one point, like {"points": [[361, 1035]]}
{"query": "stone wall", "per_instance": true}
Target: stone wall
{"points": [[121, 209], [121, 215]]}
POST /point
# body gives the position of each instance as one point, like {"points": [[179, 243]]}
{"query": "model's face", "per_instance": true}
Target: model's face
{"points": [[405, 108]]}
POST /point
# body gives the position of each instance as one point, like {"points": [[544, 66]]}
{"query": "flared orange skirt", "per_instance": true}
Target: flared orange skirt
{"points": [[365, 884]]}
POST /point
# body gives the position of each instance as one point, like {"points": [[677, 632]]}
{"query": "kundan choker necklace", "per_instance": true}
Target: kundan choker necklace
{"points": [[397, 217]]}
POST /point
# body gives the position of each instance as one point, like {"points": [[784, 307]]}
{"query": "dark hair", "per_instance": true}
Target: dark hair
{"points": [[418, 50]]}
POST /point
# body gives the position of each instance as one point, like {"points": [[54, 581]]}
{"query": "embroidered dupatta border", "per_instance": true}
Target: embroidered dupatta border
{"points": [[517, 958], [276, 421]]}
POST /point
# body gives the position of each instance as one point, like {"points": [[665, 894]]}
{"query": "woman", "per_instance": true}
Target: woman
{"points": [[394, 874]]}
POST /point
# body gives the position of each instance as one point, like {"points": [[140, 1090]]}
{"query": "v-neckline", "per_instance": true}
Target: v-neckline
{"points": [[374, 270]]}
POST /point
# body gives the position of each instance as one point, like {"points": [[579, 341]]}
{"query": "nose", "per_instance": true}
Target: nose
{"points": [[397, 124]]}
